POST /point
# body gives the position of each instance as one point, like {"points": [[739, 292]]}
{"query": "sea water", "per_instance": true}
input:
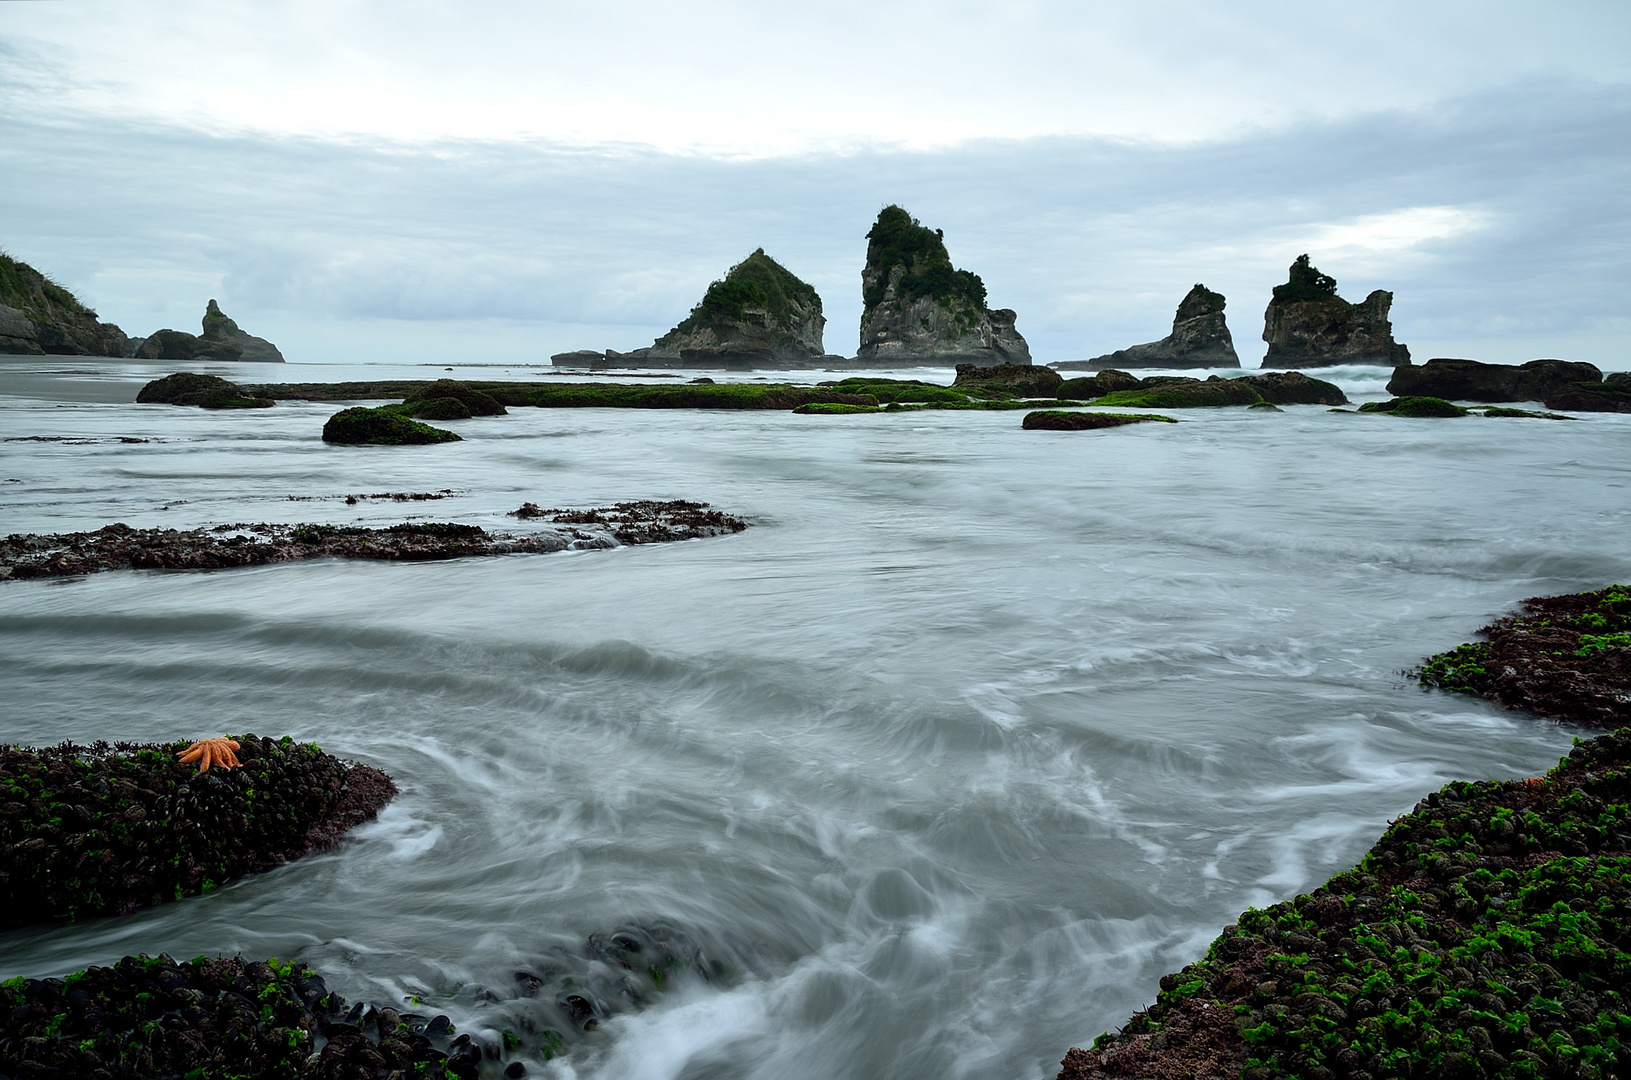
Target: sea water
{"points": [[970, 737]]}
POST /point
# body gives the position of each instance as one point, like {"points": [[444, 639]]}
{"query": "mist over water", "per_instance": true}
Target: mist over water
{"points": [[938, 767]]}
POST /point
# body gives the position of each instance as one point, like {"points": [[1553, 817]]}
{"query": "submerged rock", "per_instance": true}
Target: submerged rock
{"points": [[1199, 339], [918, 308], [221, 341], [38, 316], [1414, 406], [1308, 325], [1105, 382], [449, 399], [1061, 420], [759, 314], [1295, 388], [1474, 380]]}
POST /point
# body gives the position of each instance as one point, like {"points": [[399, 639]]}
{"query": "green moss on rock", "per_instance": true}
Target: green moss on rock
{"points": [[1059, 420], [1182, 393], [1430, 407], [381, 427]]}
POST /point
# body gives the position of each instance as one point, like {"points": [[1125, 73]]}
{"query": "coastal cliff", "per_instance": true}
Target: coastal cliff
{"points": [[919, 308], [1199, 339], [38, 316], [221, 340], [1308, 325]]}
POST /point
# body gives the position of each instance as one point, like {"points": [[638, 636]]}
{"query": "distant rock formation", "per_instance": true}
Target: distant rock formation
{"points": [[1474, 380], [38, 317], [221, 340], [918, 308], [1199, 339], [1308, 325]]}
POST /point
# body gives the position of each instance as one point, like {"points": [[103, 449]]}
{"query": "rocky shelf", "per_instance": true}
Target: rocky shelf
{"points": [[104, 830], [120, 547], [1488, 932]]}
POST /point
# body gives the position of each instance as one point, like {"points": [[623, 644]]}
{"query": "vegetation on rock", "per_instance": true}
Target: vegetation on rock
{"points": [[1485, 935], [1414, 406], [1304, 282], [99, 830], [1184, 394], [1566, 657], [204, 391], [1058, 420], [758, 282], [897, 239], [381, 427]]}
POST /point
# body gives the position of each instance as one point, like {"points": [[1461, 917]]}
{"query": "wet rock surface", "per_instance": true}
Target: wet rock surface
{"points": [[1051, 420], [1022, 380], [120, 547], [1473, 380], [104, 830], [1613, 394], [203, 391], [383, 427], [1566, 657], [1199, 339], [1485, 935]]}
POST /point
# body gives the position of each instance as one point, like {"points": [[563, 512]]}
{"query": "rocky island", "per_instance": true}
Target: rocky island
{"points": [[221, 340], [919, 309], [1308, 325], [759, 315], [1199, 339]]}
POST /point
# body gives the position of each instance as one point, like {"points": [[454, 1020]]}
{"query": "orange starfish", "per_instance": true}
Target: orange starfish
{"points": [[208, 752]]}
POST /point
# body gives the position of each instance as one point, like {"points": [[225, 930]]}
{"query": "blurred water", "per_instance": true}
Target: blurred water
{"points": [[973, 735]]}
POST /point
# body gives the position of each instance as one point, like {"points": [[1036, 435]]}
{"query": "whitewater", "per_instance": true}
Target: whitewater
{"points": [[934, 770]]}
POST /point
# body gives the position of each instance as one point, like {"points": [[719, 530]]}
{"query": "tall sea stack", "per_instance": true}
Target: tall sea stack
{"points": [[918, 308], [1308, 325], [759, 314], [221, 340]]}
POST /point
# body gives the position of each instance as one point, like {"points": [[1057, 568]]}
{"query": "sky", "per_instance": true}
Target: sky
{"points": [[428, 181]]}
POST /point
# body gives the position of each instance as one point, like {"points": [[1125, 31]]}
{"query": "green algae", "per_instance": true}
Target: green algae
{"points": [[1084, 420], [383, 426], [1213, 393], [1429, 407]]}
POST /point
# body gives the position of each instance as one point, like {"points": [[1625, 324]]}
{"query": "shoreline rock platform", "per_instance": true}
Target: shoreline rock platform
{"points": [[1487, 934], [104, 830], [119, 547]]}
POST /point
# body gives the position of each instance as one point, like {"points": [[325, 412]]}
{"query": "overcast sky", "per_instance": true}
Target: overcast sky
{"points": [[502, 180]]}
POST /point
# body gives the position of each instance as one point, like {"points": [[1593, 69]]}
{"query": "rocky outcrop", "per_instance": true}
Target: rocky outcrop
{"points": [[38, 317], [1613, 394], [1308, 325], [918, 308], [1180, 391], [758, 313], [1199, 339], [1024, 380], [204, 391], [221, 340], [1473, 380]]}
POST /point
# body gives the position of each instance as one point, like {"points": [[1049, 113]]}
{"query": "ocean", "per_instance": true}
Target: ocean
{"points": [[931, 772]]}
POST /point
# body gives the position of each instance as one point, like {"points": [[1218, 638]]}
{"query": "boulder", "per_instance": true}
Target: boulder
{"points": [[1021, 380], [204, 391], [1199, 339], [173, 345], [1473, 380], [1611, 395], [1294, 388], [381, 427], [1308, 325], [1414, 406], [429, 398], [758, 315], [38, 316], [1181, 392], [1105, 382], [917, 308]]}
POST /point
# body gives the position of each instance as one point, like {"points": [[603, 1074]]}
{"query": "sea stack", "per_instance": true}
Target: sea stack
{"points": [[919, 309], [1308, 325], [222, 340], [38, 316], [760, 314], [1199, 339]]}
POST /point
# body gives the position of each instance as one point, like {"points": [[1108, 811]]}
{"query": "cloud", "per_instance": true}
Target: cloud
{"points": [[1495, 216]]}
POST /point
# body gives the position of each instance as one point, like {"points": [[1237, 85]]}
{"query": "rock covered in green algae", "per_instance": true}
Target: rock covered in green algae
{"points": [[1566, 657], [104, 830], [381, 427], [223, 1017], [1184, 393], [1019, 380], [1429, 407], [1487, 934], [1086, 388], [1613, 394], [917, 307], [1308, 325], [1060, 420], [204, 391]]}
